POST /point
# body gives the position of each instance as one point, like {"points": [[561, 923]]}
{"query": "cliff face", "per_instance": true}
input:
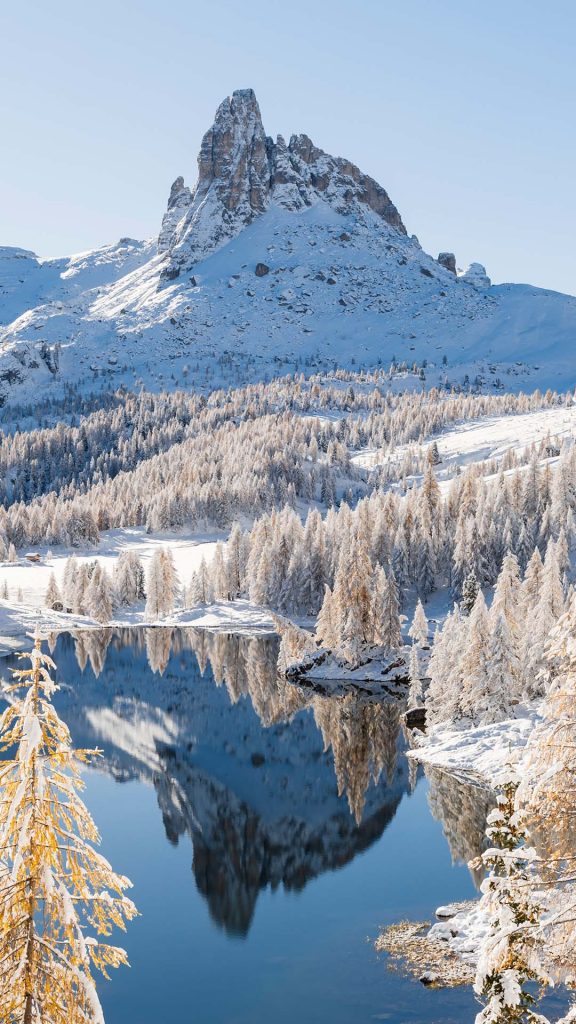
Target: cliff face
{"points": [[241, 172]]}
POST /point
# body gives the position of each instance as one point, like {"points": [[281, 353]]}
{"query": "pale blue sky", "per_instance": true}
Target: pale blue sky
{"points": [[463, 111]]}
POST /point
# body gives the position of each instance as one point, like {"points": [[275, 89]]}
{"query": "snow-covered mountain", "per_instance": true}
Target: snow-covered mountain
{"points": [[280, 257]]}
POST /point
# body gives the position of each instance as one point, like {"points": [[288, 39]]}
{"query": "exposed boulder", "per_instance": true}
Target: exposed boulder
{"points": [[448, 261], [262, 269]]}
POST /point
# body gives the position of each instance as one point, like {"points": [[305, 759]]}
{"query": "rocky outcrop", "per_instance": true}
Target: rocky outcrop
{"points": [[476, 276], [178, 203], [448, 261], [241, 173]]}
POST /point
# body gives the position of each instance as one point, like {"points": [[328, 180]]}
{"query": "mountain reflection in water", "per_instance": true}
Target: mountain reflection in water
{"points": [[274, 785]]}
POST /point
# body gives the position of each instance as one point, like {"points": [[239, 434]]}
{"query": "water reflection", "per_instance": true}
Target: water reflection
{"points": [[273, 785], [462, 808]]}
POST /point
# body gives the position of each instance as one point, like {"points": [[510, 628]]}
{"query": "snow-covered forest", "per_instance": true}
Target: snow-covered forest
{"points": [[175, 460]]}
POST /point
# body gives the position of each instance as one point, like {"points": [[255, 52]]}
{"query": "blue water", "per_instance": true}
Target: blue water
{"points": [[260, 896], [308, 956]]}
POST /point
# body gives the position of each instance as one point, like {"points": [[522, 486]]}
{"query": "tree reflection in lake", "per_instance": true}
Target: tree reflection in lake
{"points": [[273, 784], [462, 808]]}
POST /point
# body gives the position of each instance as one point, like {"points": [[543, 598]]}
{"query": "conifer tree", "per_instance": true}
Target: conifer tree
{"points": [[507, 593], [419, 626], [477, 685], [194, 591], [55, 887], [162, 584], [326, 625], [510, 955], [548, 787], [470, 589], [532, 583], [53, 598], [503, 670], [386, 611], [444, 694], [128, 579]]}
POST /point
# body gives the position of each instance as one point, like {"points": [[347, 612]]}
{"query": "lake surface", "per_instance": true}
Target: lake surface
{"points": [[261, 889]]}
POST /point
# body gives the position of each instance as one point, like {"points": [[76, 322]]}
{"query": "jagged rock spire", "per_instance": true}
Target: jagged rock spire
{"points": [[241, 172]]}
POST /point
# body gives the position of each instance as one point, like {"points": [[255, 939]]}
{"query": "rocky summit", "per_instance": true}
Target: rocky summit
{"points": [[279, 259], [241, 172]]}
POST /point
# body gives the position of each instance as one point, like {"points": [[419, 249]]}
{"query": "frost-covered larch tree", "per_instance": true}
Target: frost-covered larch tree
{"points": [[128, 579], [477, 685], [386, 614], [548, 788], [444, 695], [161, 584], [510, 957], [98, 596], [59, 897], [326, 624], [503, 669]]}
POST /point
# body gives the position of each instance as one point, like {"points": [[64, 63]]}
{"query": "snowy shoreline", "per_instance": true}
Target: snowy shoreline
{"points": [[480, 754], [240, 617]]}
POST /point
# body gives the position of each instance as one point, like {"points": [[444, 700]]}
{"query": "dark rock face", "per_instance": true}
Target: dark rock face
{"points": [[448, 261], [415, 718], [261, 270], [241, 172]]}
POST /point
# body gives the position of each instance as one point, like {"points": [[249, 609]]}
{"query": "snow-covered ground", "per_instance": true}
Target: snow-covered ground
{"points": [[32, 578], [483, 753]]}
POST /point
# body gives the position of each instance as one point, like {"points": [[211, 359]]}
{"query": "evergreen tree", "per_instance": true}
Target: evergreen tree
{"points": [[510, 955], [433, 455], [53, 598], [418, 631], [98, 596], [470, 590]]}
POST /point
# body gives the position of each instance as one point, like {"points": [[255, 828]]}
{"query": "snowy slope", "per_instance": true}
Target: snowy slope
{"points": [[480, 441], [342, 282]]}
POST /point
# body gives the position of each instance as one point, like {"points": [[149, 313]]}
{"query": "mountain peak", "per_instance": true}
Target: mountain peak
{"points": [[241, 172]]}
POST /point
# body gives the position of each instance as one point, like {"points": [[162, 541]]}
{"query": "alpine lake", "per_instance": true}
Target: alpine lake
{"points": [[269, 831]]}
